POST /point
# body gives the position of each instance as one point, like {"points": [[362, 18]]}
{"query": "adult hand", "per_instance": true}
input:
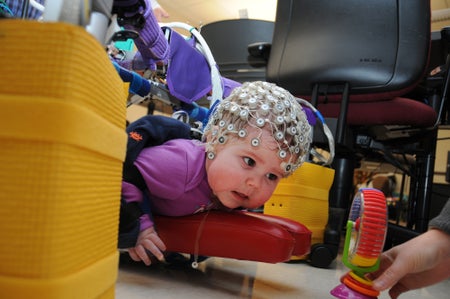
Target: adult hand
{"points": [[420, 262]]}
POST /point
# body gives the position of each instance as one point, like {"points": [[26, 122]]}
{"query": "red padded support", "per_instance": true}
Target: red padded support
{"points": [[301, 234], [396, 111], [239, 235]]}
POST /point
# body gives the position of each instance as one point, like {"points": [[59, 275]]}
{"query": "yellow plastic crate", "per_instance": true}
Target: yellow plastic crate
{"points": [[63, 142], [303, 197]]}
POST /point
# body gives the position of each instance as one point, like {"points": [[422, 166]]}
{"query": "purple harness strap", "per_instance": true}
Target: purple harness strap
{"points": [[188, 73]]}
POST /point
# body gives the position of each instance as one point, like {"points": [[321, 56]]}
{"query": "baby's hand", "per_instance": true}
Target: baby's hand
{"points": [[148, 240]]}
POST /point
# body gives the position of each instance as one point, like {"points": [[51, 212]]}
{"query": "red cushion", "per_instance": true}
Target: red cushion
{"points": [[397, 111], [245, 236], [301, 234]]}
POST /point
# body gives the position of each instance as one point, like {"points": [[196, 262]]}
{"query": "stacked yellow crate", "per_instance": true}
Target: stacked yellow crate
{"points": [[62, 116]]}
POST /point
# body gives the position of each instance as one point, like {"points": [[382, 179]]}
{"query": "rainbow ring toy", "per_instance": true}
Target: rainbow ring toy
{"points": [[364, 241]]}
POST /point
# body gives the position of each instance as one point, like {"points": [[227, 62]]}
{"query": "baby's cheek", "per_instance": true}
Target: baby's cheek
{"points": [[261, 200], [267, 193]]}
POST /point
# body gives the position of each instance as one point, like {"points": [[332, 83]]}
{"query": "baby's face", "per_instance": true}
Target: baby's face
{"points": [[242, 175]]}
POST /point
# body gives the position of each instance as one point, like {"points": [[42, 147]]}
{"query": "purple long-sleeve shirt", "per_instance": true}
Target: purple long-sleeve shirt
{"points": [[175, 177]]}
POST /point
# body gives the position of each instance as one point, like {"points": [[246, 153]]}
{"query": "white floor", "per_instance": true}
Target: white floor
{"points": [[227, 278]]}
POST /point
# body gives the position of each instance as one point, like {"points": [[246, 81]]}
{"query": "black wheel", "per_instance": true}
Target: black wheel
{"points": [[322, 255]]}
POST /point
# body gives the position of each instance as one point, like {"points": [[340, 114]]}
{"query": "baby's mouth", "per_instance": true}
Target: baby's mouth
{"points": [[241, 195]]}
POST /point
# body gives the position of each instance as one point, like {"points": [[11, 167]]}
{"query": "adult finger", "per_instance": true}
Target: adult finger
{"points": [[391, 275], [397, 290]]}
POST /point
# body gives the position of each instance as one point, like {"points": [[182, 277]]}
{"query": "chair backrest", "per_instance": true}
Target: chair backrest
{"points": [[228, 41], [377, 46]]}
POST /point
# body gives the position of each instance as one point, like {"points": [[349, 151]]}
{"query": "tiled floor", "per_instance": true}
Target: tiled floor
{"points": [[219, 278]]}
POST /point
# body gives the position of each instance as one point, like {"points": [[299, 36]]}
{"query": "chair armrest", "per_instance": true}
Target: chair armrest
{"points": [[258, 54]]}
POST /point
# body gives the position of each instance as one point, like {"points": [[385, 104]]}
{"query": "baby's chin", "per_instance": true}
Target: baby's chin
{"points": [[231, 206], [228, 205]]}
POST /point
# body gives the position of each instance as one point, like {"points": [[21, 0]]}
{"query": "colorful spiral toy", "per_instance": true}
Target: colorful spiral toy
{"points": [[364, 241]]}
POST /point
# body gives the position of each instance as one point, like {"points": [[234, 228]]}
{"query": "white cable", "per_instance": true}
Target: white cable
{"points": [[178, 115], [326, 131], [37, 5]]}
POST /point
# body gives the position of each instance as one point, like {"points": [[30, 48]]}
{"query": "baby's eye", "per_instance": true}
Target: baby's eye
{"points": [[249, 161], [272, 177]]}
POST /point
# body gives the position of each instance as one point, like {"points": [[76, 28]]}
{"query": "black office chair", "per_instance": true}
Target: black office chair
{"points": [[359, 63], [228, 41]]}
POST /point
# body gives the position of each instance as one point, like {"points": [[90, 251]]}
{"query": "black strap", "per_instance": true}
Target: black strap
{"points": [[129, 225]]}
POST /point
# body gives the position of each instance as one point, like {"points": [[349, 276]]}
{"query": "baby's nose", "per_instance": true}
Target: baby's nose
{"points": [[253, 181]]}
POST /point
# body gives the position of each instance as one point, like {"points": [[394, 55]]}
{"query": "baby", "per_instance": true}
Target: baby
{"points": [[253, 138]]}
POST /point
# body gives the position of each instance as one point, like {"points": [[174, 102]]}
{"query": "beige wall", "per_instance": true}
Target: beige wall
{"points": [[443, 146], [437, 5]]}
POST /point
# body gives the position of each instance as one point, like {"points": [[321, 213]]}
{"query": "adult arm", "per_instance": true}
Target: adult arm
{"points": [[422, 261]]}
